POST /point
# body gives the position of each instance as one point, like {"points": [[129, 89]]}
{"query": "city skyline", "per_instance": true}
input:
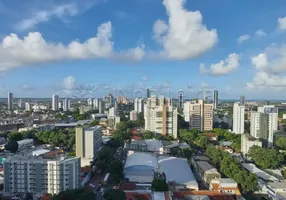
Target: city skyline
{"points": [[225, 47]]}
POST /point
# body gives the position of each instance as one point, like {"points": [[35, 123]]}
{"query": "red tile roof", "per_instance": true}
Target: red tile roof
{"points": [[127, 186], [137, 196]]}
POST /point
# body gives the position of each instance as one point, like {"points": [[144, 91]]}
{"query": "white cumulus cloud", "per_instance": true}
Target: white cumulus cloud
{"points": [[68, 83], [184, 36], [260, 33], [243, 38], [260, 61], [223, 67], [282, 23], [33, 49], [38, 17]]}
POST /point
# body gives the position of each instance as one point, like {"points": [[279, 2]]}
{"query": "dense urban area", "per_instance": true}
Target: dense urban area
{"points": [[158, 148]]}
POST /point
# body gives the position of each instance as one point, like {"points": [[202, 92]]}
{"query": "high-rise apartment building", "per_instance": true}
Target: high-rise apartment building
{"points": [[180, 103], [101, 106], [39, 175], [215, 100], [55, 102], [238, 118], [148, 93], [160, 116], [10, 101], [95, 103], [242, 100], [199, 115], [28, 107], [21, 104], [66, 104], [90, 102], [139, 105], [88, 142], [264, 123]]}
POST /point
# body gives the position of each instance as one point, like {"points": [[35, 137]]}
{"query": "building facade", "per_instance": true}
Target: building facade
{"points": [[40, 175], [238, 118], [242, 100], [133, 115], [10, 101], [88, 142], [199, 115], [247, 142], [215, 100], [67, 104], [55, 102], [139, 105], [160, 116]]}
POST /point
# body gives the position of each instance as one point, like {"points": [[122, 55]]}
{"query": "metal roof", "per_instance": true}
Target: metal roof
{"points": [[178, 170], [141, 159]]}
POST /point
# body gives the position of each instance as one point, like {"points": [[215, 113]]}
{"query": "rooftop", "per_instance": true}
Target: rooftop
{"points": [[182, 174], [258, 172], [141, 159], [205, 166]]}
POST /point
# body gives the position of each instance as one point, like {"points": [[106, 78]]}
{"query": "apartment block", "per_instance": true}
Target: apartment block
{"points": [[199, 115], [40, 175], [238, 118], [247, 141], [138, 105], [160, 116], [88, 142]]}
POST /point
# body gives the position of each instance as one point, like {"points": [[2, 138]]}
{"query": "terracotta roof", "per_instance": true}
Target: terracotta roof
{"points": [[127, 186], [216, 188], [85, 169], [210, 134], [213, 195], [137, 196]]}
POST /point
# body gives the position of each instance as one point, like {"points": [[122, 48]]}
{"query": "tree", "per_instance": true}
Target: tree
{"points": [[265, 157], [141, 120], [281, 142], [202, 141], [114, 194], [114, 143], [188, 135], [12, 146], [76, 194], [159, 185], [15, 136], [187, 152], [94, 123], [182, 124], [148, 135], [116, 171]]}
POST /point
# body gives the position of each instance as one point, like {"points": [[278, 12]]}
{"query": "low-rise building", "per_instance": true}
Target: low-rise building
{"points": [[247, 142], [277, 190], [26, 143], [205, 170], [225, 185]]}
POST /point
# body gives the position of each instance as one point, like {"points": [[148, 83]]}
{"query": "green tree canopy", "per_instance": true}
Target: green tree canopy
{"points": [[159, 185], [15, 136], [188, 135], [114, 194], [281, 142], [265, 157], [141, 121], [76, 194], [94, 122], [148, 135], [232, 169], [116, 171], [12, 146], [202, 141]]}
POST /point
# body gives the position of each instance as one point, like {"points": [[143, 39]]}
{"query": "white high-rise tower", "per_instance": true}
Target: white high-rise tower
{"points": [[55, 102], [238, 118]]}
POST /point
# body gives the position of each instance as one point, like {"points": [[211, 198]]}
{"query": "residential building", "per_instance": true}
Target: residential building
{"points": [[242, 100], [160, 116], [67, 104], [247, 142], [27, 107], [148, 93], [111, 112], [180, 105], [133, 115], [215, 100], [199, 115], [276, 190], [90, 102], [40, 175], [101, 106], [10, 101], [88, 142], [55, 102], [61, 104], [225, 185], [21, 104], [264, 123], [238, 118], [25, 143], [139, 105], [95, 103]]}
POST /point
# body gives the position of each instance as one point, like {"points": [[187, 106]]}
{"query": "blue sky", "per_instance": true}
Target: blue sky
{"points": [[58, 47]]}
